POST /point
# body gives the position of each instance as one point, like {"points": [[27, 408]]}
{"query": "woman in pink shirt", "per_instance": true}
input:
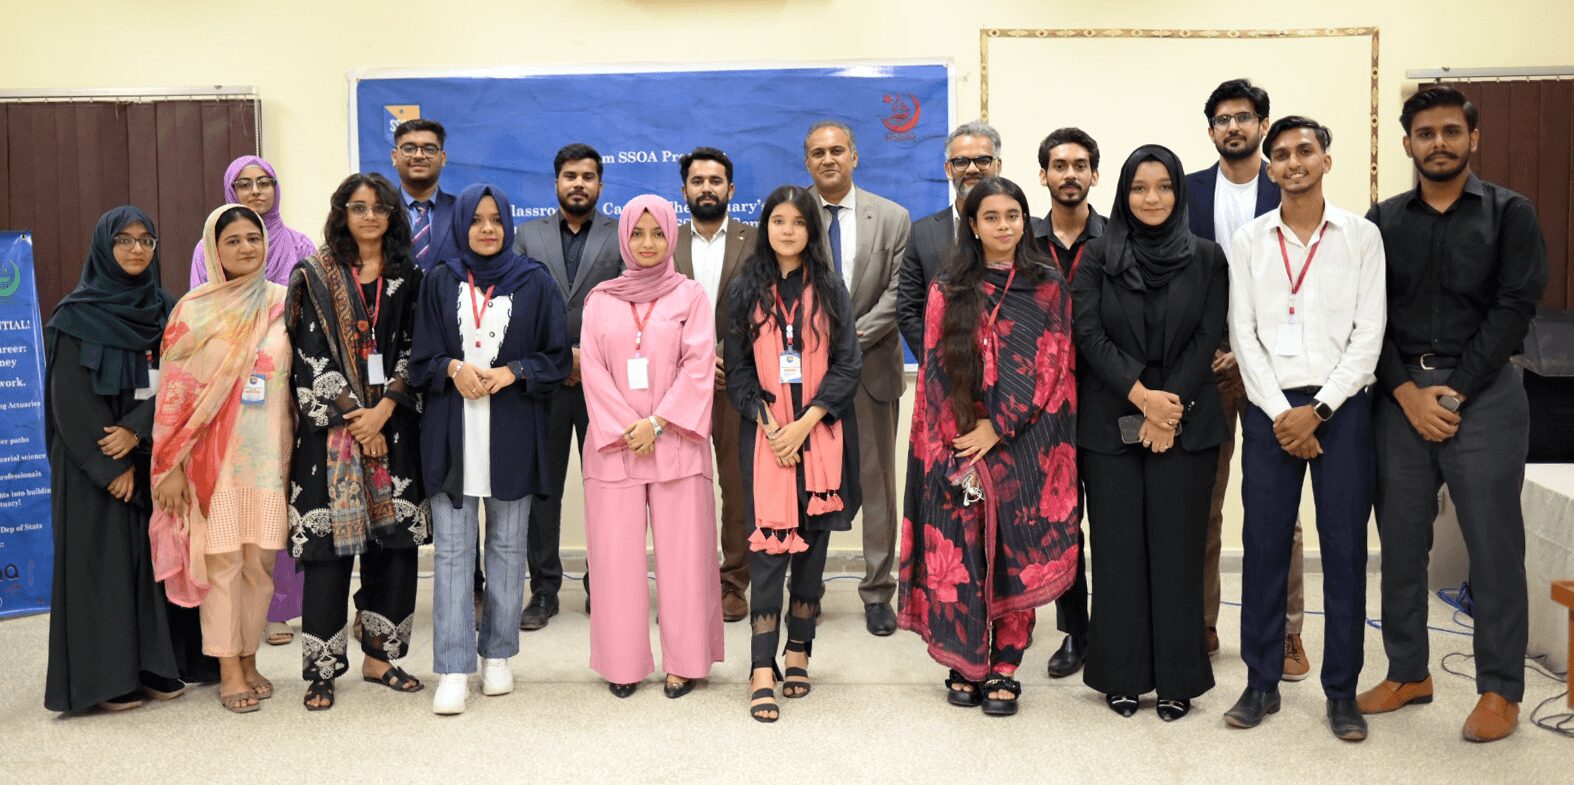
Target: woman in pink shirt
{"points": [[648, 359]]}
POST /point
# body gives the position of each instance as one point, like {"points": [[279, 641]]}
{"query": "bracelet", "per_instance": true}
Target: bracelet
{"points": [[457, 369]]}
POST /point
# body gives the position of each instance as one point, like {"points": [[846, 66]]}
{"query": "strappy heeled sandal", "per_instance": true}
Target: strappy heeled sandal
{"points": [[966, 698], [1001, 707], [321, 691], [796, 682]]}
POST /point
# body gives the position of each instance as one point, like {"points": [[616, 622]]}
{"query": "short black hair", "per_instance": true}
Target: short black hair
{"points": [[1292, 122], [421, 124], [1069, 135], [1433, 97], [575, 152], [1233, 89], [703, 153]]}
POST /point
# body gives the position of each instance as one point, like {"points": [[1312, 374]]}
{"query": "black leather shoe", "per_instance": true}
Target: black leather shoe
{"points": [[1251, 708], [542, 607], [1345, 720], [678, 690], [879, 618], [1124, 705], [1171, 710], [621, 690], [1068, 658]]}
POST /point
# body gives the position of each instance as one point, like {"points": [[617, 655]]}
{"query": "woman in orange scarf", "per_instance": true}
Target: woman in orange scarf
{"points": [[792, 368]]}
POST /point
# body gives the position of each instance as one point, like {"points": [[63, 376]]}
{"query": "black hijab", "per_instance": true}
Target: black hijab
{"points": [[1146, 257], [117, 317], [505, 269]]}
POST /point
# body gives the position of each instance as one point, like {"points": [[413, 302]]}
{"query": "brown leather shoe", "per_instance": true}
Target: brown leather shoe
{"points": [[733, 606], [1212, 636], [1390, 695], [1493, 719], [1296, 666]]}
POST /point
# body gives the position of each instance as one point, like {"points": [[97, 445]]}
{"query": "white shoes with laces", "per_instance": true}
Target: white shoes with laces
{"points": [[449, 697], [496, 677]]}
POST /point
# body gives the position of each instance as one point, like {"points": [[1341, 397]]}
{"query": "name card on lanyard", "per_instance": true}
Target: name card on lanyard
{"points": [[639, 365], [376, 375], [1290, 342], [790, 361]]}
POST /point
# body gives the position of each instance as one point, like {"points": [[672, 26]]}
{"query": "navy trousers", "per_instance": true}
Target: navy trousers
{"points": [[1342, 484]]}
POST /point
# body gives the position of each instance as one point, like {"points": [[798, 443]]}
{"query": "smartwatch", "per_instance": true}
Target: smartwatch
{"points": [[1323, 411]]}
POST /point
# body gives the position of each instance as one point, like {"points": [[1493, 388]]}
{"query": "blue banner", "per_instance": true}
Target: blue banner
{"points": [[26, 542]]}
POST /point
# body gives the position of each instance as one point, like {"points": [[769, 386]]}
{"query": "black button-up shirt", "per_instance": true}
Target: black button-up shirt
{"points": [[1049, 242], [1462, 283], [573, 248]]}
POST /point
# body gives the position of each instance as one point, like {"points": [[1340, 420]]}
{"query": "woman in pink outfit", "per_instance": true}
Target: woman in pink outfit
{"points": [[648, 360]]}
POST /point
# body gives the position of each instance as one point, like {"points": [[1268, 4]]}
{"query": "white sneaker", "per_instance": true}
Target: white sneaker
{"points": [[449, 697], [496, 678]]}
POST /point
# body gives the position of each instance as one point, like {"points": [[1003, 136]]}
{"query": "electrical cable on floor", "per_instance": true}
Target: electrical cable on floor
{"points": [[1561, 724]]}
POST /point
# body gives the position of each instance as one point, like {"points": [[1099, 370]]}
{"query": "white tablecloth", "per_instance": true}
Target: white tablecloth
{"points": [[1548, 503]]}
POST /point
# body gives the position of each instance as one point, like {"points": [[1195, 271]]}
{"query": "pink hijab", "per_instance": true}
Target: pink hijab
{"points": [[644, 284]]}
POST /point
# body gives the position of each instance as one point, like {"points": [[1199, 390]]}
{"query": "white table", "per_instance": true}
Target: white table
{"points": [[1548, 503]]}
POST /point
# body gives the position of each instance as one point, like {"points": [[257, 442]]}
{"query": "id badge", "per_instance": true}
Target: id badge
{"points": [[792, 368], [1289, 344], [374, 369], [144, 393], [639, 373], [256, 390]]}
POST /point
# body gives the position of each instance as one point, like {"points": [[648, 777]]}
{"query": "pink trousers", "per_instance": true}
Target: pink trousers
{"points": [[682, 516]]}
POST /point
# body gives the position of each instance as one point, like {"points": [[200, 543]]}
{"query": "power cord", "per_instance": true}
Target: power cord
{"points": [[1561, 724]]}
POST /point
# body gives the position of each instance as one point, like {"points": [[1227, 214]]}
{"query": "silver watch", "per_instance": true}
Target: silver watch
{"points": [[655, 424]]}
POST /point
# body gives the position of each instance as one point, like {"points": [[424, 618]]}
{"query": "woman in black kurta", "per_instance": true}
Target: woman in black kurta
{"points": [[109, 638], [767, 295], [355, 476]]}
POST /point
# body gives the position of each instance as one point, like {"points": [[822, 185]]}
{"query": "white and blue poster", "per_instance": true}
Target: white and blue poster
{"points": [[26, 539]]}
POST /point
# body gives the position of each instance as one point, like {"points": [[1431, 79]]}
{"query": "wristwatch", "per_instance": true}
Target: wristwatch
{"points": [[655, 424], [1323, 411]]}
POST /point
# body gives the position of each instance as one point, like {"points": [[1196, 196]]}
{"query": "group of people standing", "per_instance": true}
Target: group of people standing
{"points": [[430, 359]]}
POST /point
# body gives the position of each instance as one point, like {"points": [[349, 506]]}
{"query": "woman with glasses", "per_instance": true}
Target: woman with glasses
{"points": [[251, 181], [109, 640], [356, 486]]}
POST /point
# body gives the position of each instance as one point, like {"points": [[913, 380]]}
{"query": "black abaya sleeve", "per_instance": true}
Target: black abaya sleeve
{"points": [[80, 415]]}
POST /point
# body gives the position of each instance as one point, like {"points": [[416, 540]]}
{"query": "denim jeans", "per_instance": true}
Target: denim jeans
{"points": [[455, 640]]}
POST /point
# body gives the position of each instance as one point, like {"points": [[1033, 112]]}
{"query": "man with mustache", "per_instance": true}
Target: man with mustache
{"points": [[1068, 162], [709, 248], [1223, 198], [867, 236], [1466, 266], [579, 245], [972, 152]]}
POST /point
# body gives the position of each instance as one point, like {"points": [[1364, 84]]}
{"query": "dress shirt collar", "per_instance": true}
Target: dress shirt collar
{"points": [[849, 202], [721, 232], [1332, 215], [1473, 187]]}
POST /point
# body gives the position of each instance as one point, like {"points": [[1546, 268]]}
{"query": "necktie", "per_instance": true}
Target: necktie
{"points": [[836, 236], [421, 240]]}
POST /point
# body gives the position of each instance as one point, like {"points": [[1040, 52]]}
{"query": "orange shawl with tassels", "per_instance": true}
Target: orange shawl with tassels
{"points": [[776, 486]]}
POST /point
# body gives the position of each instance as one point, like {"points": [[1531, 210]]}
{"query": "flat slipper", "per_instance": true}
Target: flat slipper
{"points": [[320, 690], [397, 680], [279, 633], [233, 702], [263, 689]]}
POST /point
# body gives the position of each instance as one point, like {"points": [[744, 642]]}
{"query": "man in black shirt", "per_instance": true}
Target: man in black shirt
{"points": [[1466, 266]]}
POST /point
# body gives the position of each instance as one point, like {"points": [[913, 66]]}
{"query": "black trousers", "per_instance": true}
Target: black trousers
{"points": [[1484, 467], [1071, 608], [569, 420], [1148, 519], [386, 601], [768, 575]]}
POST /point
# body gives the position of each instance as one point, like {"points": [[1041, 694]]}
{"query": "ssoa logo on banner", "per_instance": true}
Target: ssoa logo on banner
{"points": [[903, 118], [398, 113]]}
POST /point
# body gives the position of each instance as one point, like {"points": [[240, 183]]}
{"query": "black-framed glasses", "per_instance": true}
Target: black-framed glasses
{"points": [[246, 184], [362, 209], [127, 241], [960, 162], [1241, 119], [409, 149]]}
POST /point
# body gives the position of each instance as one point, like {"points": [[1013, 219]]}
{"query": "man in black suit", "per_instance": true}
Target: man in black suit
{"points": [[1223, 198], [418, 157], [972, 153], [579, 245]]}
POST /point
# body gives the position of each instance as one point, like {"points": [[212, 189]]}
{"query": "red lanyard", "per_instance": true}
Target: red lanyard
{"points": [[1075, 260], [792, 315], [479, 308], [995, 314], [374, 310], [639, 323], [1296, 281]]}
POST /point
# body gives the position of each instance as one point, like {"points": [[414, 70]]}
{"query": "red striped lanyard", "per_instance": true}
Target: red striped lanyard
{"points": [[373, 310], [479, 308], [1075, 260], [639, 324], [1296, 281], [792, 315], [995, 314]]}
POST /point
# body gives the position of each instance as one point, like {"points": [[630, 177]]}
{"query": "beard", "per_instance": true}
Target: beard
{"points": [[1242, 154], [577, 210], [708, 211], [1072, 202], [1449, 174]]}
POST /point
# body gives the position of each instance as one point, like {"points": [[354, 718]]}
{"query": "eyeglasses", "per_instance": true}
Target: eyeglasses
{"points": [[145, 243], [247, 184], [1242, 119], [361, 209], [409, 149], [960, 162]]}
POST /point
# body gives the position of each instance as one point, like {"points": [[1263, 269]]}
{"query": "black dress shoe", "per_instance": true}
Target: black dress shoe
{"points": [[1124, 705], [678, 690], [1171, 710], [542, 606], [879, 618], [1068, 658], [621, 690], [1251, 708], [1345, 720]]}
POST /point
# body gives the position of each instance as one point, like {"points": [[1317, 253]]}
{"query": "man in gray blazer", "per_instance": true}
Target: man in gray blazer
{"points": [[710, 248], [580, 246], [867, 236]]}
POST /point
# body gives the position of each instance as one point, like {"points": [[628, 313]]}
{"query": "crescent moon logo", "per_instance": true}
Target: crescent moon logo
{"points": [[10, 279], [904, 114]]}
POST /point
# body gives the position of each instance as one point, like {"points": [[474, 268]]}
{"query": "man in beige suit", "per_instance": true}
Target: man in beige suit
{"points": [[867, 236], [709, 248]]}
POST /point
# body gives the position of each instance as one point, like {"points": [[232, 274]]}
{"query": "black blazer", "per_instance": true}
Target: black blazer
{"points": [[928, 243], [1199, 198], [1111, 336]]}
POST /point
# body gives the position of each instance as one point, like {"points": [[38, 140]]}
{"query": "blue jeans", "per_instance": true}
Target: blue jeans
{"points": [[455, 641]]}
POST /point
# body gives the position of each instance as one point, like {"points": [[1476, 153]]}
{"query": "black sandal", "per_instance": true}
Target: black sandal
{"points": [[966, 698], [397, 680], [998, 707], [321, 691], [796, 683]]}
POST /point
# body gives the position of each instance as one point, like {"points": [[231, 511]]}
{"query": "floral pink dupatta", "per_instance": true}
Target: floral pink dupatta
{"points": [[209, 350]]}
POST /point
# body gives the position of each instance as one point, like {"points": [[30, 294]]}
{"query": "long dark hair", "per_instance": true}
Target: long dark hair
{"points": [[962, 284], [760, 271], [397, 258]]}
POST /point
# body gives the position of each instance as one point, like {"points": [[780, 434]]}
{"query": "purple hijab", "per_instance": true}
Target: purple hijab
{"points": [[286, 247]]}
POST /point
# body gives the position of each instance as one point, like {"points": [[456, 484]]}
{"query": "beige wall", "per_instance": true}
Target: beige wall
{"points": [[299, 53]]}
